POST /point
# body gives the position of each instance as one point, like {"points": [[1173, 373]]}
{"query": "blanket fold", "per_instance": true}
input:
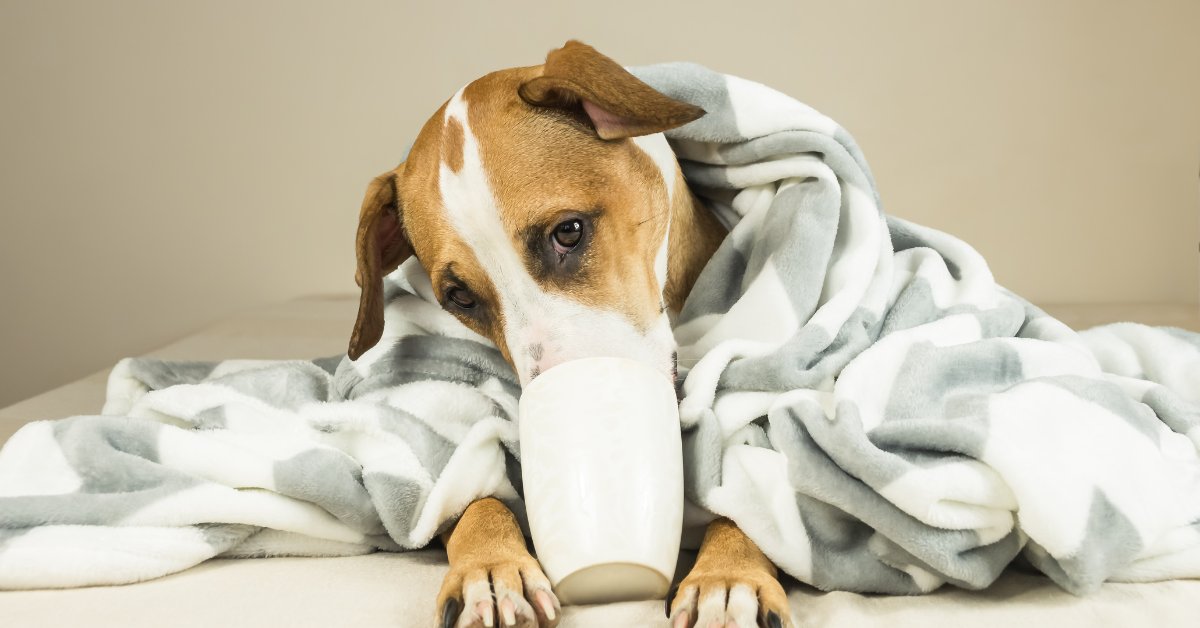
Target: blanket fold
{"points": [[860, 397]]}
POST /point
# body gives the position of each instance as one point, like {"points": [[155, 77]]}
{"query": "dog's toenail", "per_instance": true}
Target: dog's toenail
{"points": [[484, 610], [508, 612], [671, 597], [450, 612], [773, 620], [546, 604], [681, 621]]}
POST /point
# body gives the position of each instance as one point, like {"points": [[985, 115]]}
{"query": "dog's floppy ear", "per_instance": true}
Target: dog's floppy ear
{"points": [[381, 246], [617, 102]]}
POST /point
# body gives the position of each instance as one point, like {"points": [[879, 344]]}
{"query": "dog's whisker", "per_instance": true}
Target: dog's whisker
{"points": [[656, 216]]}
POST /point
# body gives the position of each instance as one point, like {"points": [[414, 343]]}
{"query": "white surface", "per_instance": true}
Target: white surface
{"points": [[602, 466]]}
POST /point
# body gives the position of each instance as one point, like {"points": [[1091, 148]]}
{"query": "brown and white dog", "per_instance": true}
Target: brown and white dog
{"points": [[553, 219]]}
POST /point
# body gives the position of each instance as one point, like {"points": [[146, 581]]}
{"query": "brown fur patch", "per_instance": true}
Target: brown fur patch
{"points": [[452, 145], [487, 527], [695, 235]]}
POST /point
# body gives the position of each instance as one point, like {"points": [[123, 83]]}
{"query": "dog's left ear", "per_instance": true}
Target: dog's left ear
{"points": [[617, 103], [381, 246]]}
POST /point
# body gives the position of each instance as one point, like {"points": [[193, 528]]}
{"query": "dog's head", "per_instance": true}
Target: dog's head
{"points": [[538, 201]]}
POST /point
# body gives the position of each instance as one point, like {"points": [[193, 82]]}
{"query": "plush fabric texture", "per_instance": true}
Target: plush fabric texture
{"points": [[860, 396]]}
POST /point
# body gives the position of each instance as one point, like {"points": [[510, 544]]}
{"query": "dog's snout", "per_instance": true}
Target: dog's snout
{"points": [[542, 360]]}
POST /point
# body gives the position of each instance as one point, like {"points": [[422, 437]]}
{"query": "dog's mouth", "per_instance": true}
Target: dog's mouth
{"points": [[673, 374]]}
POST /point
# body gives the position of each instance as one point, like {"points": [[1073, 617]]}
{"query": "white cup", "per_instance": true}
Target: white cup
{"points": [[602, 468]]}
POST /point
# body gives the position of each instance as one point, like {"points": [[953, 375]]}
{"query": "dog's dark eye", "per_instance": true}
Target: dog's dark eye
{"points": [[460, 297], [567, 235]]}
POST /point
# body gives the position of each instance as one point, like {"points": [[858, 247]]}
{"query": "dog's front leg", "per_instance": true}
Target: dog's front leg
{"points": [[493, 580], [732, 584]]}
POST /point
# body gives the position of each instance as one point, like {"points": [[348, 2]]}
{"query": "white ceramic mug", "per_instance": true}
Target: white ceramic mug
{"points": [[602, 468]]}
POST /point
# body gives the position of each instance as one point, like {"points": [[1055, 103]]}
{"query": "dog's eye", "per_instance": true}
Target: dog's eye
{"points": [[567, 235], [460, 297]]}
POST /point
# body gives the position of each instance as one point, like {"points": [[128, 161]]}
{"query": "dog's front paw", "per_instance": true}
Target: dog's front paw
{"points": [[504, 591], [728, 597]]}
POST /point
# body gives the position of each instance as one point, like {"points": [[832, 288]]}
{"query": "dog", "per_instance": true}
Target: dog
{"points": [[554, 220]]}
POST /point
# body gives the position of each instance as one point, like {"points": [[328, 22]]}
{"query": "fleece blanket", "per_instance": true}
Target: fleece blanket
{"points": [[859, 395]]}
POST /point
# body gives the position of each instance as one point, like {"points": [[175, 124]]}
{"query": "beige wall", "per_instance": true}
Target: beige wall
{"points": [[164, 163]]}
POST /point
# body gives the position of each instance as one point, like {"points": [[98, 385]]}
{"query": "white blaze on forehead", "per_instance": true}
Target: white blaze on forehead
{"points": [[540, 328]]}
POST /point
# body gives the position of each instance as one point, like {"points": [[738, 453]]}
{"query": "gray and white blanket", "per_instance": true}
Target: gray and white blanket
{"points": [[861, 397]]}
